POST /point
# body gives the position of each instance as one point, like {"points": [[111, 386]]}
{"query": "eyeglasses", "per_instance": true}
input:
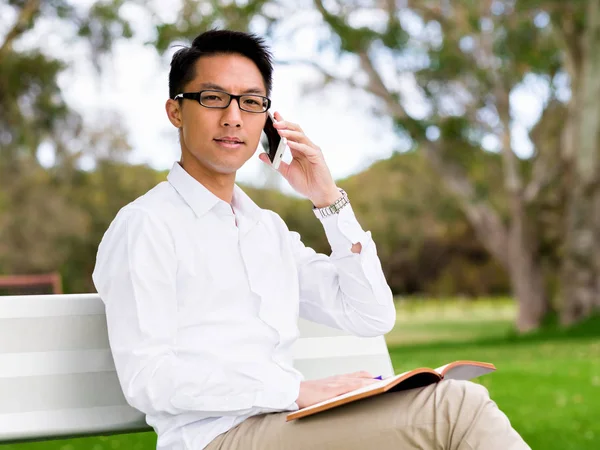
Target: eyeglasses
{"points": [[221, 100]]}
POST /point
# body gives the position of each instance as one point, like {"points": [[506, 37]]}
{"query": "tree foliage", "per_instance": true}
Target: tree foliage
{"points": [[36, 218]]}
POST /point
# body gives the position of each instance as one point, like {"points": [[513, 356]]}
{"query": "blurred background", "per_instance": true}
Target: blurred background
{"points": [[465, 133]]}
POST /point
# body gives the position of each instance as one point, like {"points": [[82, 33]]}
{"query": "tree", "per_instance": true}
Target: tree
{"points": [[578, 26], [36, 219]]}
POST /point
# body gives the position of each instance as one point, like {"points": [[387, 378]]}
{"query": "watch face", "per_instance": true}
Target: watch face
{"points": [[332, 209]]}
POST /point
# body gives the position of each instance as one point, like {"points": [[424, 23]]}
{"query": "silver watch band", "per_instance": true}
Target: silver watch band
{"points": [[332, 209]]}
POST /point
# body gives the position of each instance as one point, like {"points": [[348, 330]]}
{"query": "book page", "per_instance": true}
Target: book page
{"points": [[440, 370], [465, 370]]}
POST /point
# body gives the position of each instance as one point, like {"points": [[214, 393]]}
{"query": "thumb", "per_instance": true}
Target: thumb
{"points": [[283, 166], [264, 158]]}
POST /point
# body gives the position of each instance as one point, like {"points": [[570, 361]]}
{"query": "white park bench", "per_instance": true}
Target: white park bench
{"points": [[57, 377]]}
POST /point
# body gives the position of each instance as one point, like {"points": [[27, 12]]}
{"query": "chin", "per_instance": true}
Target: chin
{"points": [[229, 165], [216, 164], [226, 170], [226, 167]]}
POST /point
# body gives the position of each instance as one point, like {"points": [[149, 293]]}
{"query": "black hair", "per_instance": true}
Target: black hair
{"points": [[215, 42]]}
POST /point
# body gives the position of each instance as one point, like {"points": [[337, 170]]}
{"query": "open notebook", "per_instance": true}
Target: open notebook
{"points": [[457, 370]]}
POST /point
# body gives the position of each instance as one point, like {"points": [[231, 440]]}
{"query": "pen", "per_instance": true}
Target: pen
{"points": [[378, 378]]}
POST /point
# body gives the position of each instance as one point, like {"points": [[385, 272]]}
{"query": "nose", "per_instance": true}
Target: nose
{"points": [[232, 115]]}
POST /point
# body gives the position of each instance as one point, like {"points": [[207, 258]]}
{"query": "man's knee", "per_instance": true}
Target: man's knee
{"points": [[464, 393], [476, 419]]}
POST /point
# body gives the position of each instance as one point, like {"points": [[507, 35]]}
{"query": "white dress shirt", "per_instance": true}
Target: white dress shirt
{"points": [[202, 303]]}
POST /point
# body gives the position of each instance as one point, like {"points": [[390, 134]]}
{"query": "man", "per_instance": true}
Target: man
{"points": [[203, 288]]}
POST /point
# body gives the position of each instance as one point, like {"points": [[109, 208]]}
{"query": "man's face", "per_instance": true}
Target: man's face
{"points": [[207, 134]]}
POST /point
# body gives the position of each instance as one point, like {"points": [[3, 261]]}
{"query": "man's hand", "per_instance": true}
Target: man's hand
{"points": [[308, 173], [316, 391]]}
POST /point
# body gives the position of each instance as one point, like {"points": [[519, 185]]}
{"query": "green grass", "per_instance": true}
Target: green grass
{"points": [[548, 382]]}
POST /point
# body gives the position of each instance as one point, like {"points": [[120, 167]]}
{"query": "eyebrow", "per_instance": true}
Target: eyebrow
{"points": [[253, 90]]}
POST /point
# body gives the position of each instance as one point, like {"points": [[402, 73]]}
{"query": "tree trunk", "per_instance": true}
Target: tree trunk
{"points": [[580, 271], [525, 270], [486, 222], [596, 305], [513, 248], [24, 22], [526, 275]]}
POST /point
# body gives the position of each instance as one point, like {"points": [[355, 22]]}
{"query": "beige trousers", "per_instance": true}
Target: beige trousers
{"points": [[449, 415]]}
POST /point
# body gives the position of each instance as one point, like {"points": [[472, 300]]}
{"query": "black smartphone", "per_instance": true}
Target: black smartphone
{"points": [[273, 144]]}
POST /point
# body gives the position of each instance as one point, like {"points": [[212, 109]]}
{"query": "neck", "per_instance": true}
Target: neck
{"points": [[219, 184]]}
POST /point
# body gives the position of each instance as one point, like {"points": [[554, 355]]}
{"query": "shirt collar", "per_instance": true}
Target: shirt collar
{"points": [[244, 204], [201, 200]]}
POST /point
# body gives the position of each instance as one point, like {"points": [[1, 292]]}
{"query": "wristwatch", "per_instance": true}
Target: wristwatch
{"points": [[332, 209]]}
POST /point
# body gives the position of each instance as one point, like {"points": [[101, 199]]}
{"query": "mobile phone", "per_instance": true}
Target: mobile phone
{"points": [[273, 144]]}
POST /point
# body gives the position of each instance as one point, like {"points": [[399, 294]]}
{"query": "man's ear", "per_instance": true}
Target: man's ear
{"points": [[173, 109]]}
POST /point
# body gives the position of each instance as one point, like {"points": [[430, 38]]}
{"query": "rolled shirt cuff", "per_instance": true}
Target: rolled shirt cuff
{"points": [[343, 230]]}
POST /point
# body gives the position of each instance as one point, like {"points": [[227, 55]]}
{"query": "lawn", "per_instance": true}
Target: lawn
{"points": [[548, 383]]}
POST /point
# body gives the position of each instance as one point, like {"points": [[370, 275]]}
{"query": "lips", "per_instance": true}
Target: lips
{"points": [[229, 140]]}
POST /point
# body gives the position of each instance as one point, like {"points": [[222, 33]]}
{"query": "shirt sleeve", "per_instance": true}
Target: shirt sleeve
{"points": [[135, 275], [345, 290]]}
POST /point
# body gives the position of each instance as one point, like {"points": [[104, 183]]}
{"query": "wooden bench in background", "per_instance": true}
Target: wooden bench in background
{"points": [[57, 377], [47, 283]]}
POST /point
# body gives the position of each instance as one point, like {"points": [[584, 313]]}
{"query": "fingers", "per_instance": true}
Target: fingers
{"points": [[361, 374], [281, 124], [342, 385], [326, 388], [315, 391], [352, 383], [304, 149], [295, 136], [285, 125]]}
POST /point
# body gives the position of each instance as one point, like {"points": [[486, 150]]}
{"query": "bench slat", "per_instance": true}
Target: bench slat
{"points": [[70, 423], [55, 392], [20, 306], [55, 363]]}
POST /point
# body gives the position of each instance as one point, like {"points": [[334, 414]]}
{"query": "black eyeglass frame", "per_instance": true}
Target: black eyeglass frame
{"points": [[197, 95]]}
